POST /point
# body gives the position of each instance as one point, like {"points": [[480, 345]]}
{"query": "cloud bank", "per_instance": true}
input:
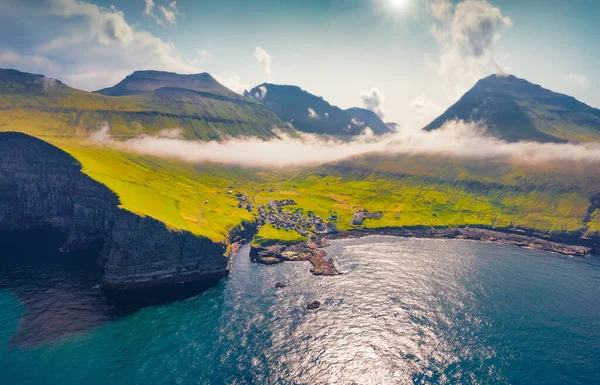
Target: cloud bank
{"points": [[455, 139]]}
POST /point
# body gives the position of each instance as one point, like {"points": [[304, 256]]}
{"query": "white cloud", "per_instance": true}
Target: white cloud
{"points": [[423, 104], [107, 25], [34, 63], [579, 80], [440, 9], [170, 14], [455, 138], [261, 93], [233, 82], [94, 47], [171, 133], [312, 114], [166, 15], [466, 34], [373, 100], [264, 60], [356, 122], [149, 7]]}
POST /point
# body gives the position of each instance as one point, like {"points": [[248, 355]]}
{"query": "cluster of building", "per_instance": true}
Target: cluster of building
{"points": [[360, 216], [294, 220], [275, 215]]}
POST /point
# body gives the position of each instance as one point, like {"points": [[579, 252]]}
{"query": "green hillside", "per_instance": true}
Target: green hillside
{"points": [[514, 109], [553, 198], [46, 107], [410, 191]]}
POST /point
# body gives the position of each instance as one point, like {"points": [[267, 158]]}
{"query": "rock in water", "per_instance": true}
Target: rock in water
{"points": [[314, 305], [280, 285]]}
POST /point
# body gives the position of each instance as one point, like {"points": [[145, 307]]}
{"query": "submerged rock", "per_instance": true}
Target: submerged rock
{"points": [[314, 305]]}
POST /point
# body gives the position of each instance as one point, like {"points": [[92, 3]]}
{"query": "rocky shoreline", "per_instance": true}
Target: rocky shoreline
{"points": [[474, 234], [306, 251], [312, 249]]}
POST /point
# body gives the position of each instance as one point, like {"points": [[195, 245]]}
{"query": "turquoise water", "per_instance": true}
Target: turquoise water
{"points": [[405, 311]]}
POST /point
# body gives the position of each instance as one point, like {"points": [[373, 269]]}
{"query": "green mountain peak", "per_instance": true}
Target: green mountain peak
{"points": [[514, 109]]}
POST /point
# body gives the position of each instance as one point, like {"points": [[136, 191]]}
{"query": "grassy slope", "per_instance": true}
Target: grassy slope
{"points": [[418, 193], [411, 191], [427, 191], [58, 110], [268, 234], [514, 109]]}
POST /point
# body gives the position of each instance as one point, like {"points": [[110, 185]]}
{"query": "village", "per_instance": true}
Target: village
{"points": [[274, 214]]}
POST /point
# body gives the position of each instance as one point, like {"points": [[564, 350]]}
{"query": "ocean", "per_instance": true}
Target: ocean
{"points": [[405, 311]]}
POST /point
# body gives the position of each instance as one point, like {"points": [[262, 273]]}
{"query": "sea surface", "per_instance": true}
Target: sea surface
{"points": [[405, 311]]}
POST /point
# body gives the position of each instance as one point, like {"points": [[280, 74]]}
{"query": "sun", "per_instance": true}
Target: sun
{"points": [[397, 4], [393, 7]]}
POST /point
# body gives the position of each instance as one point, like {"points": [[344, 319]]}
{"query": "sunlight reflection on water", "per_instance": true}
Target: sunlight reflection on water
{"points": [[405, 311]]}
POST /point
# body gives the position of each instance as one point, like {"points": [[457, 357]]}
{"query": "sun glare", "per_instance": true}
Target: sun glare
{"points": [[398, 4]]}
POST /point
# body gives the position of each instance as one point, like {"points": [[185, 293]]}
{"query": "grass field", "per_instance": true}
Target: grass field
{"points": [[196, 198], [552, 198]]}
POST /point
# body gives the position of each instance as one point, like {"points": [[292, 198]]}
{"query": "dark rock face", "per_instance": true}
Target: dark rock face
{"points": [[304, 251], [42, 185], [314, 305]]}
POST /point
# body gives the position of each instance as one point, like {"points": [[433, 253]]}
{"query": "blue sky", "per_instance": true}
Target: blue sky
{"points": [[420, 55]]}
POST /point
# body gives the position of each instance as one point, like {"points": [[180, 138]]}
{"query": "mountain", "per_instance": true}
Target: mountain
{"points": [[369, 118], [142, 82], [515, 109], [311, 113], [144, 102]]}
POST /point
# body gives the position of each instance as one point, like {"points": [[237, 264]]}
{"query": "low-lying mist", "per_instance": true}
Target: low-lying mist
{"points": [[455, 138]]}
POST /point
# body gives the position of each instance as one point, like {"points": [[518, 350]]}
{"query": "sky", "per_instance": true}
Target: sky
{"points": [[408, 60]]}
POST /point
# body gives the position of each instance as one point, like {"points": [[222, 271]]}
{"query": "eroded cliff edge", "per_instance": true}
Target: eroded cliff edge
{"points": [[43, 185]]}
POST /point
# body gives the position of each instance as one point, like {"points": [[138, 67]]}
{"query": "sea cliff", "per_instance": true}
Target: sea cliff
{"points": [[42, 185]]}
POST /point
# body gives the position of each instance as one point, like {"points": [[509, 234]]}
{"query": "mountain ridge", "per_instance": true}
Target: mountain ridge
{"points": [[515, 109], [208, 112], [312, 113], [146, 81]]}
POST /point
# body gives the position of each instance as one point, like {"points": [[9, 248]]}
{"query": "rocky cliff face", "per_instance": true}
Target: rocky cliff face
{"points": [[42, 185]]}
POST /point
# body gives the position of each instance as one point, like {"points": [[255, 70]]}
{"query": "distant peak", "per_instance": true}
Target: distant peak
{"points": [[144, 81], [169, 74], [17, 72], [504, 79]]}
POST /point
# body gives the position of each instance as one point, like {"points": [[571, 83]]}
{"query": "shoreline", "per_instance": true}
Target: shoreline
{"points": [[474, 234], [311, 250]]}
